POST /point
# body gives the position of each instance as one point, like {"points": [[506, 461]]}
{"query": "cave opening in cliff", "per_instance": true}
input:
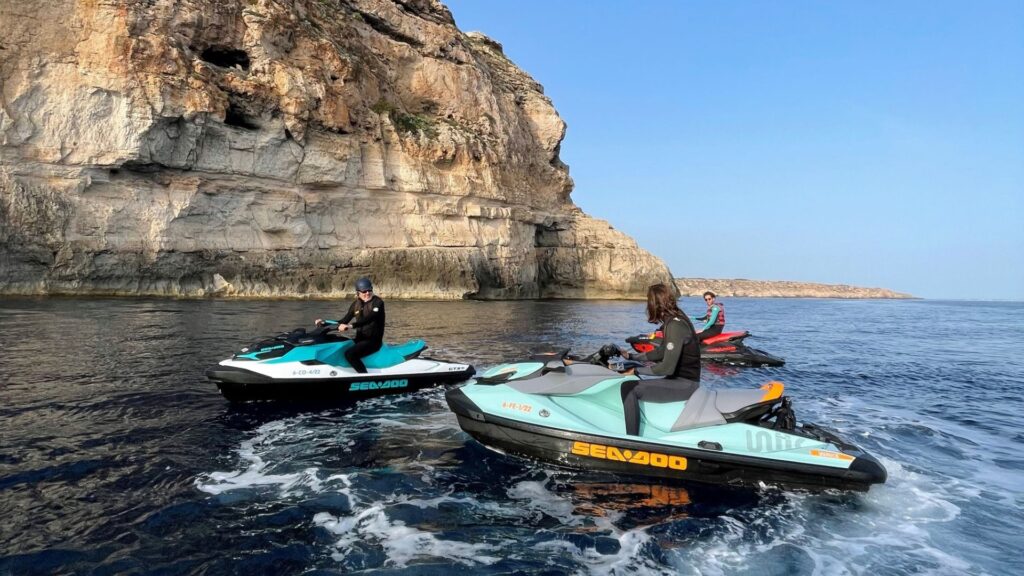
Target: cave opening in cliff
{"points": [[546, 236], [235, 116], [226, 57]]}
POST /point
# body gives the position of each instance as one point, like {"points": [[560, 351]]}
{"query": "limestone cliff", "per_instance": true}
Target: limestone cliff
{"points": [[284, 148], [780, 289]]}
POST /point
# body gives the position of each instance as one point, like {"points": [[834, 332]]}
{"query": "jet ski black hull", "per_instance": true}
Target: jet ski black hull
{"points": [[743, 356], [240, 385], [564, 447]]}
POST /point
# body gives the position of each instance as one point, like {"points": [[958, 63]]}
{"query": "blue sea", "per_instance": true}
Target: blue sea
{"points": [[118, 457]]}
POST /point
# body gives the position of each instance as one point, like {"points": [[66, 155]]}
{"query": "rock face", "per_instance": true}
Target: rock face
{"points": [[779, 289], [285, 148]]}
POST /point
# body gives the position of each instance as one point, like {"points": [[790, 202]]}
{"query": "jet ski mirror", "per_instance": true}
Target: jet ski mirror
{"points": [[608, 351]]}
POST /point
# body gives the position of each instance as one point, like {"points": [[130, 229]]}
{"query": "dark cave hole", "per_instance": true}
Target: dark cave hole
{"points": [[236, 117], [226, 57]]}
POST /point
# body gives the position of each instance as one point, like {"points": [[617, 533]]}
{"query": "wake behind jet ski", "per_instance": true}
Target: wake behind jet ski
{"points": [[726, 348], [306, 365], [572, 415]]}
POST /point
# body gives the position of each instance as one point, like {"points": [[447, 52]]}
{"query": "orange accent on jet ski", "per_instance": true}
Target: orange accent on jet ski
{"points": [[830, 454], [719, 349], [772, 390]]}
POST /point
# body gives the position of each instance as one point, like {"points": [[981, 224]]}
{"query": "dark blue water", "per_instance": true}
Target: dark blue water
{"points": [[117, 457]]}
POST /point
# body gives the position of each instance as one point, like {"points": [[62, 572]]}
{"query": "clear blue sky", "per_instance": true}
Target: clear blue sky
{"points": [[867, 143]]}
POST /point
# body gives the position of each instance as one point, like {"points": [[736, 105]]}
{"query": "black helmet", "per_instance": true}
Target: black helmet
{"points": [[364, 285]]}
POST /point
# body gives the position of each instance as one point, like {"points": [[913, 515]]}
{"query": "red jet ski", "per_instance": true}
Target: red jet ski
{"points": [[725, 348]]}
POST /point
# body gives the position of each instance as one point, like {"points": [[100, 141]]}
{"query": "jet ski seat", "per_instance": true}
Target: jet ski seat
{"points": [[391, 355], [388, 355], [714, 407], [724, 337], [565, 380]]}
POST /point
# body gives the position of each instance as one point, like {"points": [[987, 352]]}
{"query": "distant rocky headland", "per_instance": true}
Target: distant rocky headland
{"points": [[779, 289], [270, 148]]}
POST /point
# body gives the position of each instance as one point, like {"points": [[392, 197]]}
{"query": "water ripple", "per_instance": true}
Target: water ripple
{"points": [[114, 446]]}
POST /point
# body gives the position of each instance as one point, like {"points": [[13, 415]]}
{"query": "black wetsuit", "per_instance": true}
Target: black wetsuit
{"points": [[368, 320], [678, 363]]}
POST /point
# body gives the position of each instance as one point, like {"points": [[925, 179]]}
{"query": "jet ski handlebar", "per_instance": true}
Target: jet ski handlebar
{"points": [[608, 356]]}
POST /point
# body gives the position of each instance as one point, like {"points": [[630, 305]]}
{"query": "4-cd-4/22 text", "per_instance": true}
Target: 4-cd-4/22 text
{"points": [[311, 372]]}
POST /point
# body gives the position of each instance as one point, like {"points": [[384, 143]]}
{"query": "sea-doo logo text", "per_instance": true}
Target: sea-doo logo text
{"points": [[517, 406], [357, 386], [278, 347], [655, 459]]}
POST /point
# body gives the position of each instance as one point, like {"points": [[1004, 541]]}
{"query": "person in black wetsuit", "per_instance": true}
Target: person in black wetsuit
{"points": [[677, 359], [366, 315]]}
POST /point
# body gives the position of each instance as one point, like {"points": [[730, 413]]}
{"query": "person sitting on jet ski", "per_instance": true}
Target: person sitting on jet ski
{"points": [[677, 359], [366, 315], [714, 318]]}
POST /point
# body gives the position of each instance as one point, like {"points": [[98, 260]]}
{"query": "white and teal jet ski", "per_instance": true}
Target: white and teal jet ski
{"points": [[307, 365], [573, 416]]}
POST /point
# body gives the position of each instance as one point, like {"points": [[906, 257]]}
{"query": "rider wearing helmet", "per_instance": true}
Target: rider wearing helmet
{"points": [[366, 315]]}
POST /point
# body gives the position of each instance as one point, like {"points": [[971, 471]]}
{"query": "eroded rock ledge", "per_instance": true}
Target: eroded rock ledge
{"points": [[780, 289], [285, 148]]}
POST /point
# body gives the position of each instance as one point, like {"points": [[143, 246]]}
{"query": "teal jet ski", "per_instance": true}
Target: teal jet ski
{"points": [[301, 365], [572, 415]]}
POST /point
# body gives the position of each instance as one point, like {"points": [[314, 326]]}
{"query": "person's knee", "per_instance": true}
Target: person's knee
{"points": [[627, 388]]}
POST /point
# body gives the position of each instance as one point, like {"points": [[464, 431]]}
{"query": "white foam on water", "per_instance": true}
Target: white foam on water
{"points": [[220, 482], [490, 508], [260, 458], [401, 543], [257, 472], [418, 424], [630, 558], [536, 497], [912, 497], [404, 545], [889, 524]]}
